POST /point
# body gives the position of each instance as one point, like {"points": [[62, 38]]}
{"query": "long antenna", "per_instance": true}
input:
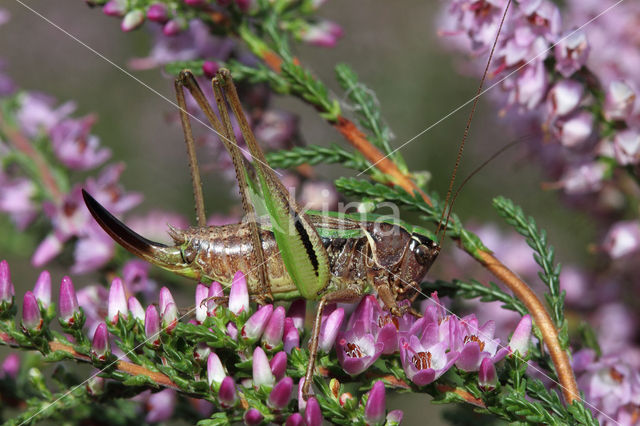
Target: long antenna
{"points": [[447, 209]]}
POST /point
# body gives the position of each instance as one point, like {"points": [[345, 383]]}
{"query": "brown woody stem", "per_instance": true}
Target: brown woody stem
{"points": [[543, 321]]}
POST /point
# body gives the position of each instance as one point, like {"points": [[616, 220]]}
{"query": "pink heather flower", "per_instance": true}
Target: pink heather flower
{"points": [[262, 375], [571, 52], [10, 366], [278, 365], [75, 147], [215, 290], [329, 328], [115, 8], [161, 406], [543, 16], [37, 113], [132, 20], [92, 251], [281, 394], [574, 130], [622, 239], [152, 326], [135, 309], [227, 393], [42, 289], [164, 299], [31, 318], [323, 33], [423, 364], [153, 225], [253, 417], [157, 12], [375, 408], [276, 128], [611, 385], [291, 337], [169, 318], [584, 178], [626, 147], [619, 101], [239, 294], [529, 87], [272, 336], [201, 305], [564, 97], [255, 325], [297, 312], [487, 376], [100, 344], [7, 290], [17, 198], [49, 248], [117, 301], [319, 195], [135, 275], [521, 337], [312, 413], [232, 330], [68, 303], [357, 349], [93, 300], [215, 371], [476, 343]]}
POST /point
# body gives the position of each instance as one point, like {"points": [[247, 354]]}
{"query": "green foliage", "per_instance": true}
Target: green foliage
{"points": [[544, 256]]}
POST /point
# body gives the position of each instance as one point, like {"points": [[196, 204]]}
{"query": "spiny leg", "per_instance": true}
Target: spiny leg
{"points": [[346, 296], [227, 136]]}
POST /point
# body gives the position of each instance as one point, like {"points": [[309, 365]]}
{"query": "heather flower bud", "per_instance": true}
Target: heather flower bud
{"points": [[135, 309], [10, 366], [215, 370], [69, 311], [115, 8], [255, 325], [253, 417], [232, 331], [7, 290], [164, 299], [95, 386], [227, 393], [323, 34], [519, 342], [170, 318], [619, 101], [215, 290], [42, 289], [394, 418], [100, 343], [157, 12], [31, 318], [291, 338], [297, 312], [201, 351], [132, 20], [295, 420], [329, 330], [210, 68], [375, 408], [117, 301], [622, 239], [281, 394], [239, 294], [487, 378], [152, 326], [272, 336], [278, 365], [201, 305], [173, 27], [262, 375], [313, 414]]}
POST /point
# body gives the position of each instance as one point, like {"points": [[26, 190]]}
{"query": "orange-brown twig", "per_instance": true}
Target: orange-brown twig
{"points": [[543, 321]]}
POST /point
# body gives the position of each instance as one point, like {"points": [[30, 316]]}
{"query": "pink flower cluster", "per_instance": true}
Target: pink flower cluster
{"points": [[428, 346]]}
